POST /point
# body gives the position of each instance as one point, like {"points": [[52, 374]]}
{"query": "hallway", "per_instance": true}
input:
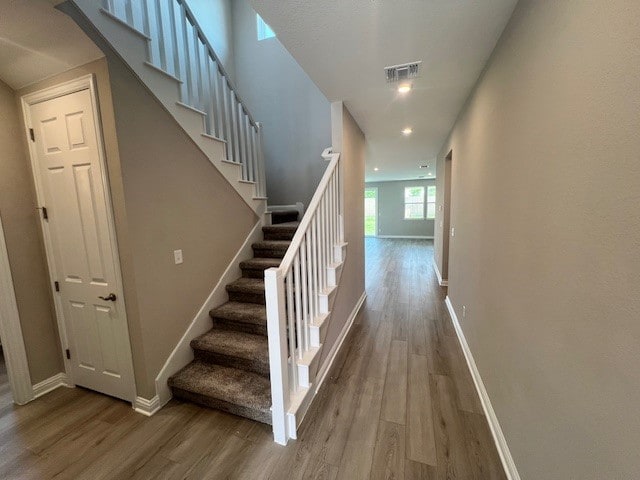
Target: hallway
{"points": [[398, 403]]}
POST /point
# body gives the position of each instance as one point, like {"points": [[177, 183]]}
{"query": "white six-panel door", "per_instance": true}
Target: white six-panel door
{"points": [[69, 173]]}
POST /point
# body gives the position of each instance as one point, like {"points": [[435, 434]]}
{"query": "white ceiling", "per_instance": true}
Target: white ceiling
{"points": [[344, 45], [37, 41]]}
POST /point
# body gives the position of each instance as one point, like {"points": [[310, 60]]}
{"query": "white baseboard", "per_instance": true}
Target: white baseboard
{"points": [[182, 354], [51, 383], [415, 237], [494, 425], [147, 407], [296, 418], [441, 282]]}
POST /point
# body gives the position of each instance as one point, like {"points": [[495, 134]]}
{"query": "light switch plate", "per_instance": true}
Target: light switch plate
{"points": [[177, 256]]}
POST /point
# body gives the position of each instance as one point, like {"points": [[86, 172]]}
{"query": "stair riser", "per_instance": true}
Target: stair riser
{"points": [[269, 253], [279, 235], [257, 415], [253, 272], [233, 362], [224, 324], [277, 217], [247, 297]]}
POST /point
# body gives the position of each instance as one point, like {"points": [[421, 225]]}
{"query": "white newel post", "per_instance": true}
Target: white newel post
{"points": [[277, 331]]}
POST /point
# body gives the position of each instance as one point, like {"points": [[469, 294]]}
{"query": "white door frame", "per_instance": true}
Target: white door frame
{"points": [[66, 88], [15, 355], [377, 210]]}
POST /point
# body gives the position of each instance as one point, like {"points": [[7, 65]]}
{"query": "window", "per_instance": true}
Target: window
{"points": [[370, 212], [264, 30], [431, 202], [414, 203]]}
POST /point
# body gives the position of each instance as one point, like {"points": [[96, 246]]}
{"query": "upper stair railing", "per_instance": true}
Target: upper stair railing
{"points": [[297, 297], [179, 48]]}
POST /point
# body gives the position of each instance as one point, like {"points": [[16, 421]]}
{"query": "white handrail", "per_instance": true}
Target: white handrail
{"points": [[297, 296], [179, 47]]}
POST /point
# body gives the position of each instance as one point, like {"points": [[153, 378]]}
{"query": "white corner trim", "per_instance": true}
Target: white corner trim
{"points": [[416, 237], [441, 282], [333, 353], [15, 354], [494, 425], [147, 407], [51, 383], [182, 354]]}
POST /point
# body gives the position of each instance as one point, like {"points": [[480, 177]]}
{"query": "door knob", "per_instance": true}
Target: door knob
{"points": [[109, 298]]}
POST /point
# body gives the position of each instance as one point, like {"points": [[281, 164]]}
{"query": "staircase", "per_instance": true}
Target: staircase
{"points": [[230, 371], [166, 48]]}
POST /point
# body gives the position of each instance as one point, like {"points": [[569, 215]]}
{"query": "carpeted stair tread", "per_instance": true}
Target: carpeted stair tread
{"points": [[283, 216], [258, 263], [248, 285], [249, 290], [271, 248], [241, 312], [280, 231], [235, 391], [233, 349]]}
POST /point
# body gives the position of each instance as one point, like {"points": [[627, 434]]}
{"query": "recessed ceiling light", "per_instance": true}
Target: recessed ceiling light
{"points": [[376, 169], [404, 88], [407, 131]]}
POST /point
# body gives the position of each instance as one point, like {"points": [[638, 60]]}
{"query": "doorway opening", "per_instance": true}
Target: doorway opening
{"points": [[371, 212]]}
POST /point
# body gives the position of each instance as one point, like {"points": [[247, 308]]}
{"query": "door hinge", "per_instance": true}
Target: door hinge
{"points": [[45, 214], [57, 286], [32, 135], [68, 354]]}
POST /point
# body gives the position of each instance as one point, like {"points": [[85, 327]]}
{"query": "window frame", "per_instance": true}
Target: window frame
{"points": [[427, 203], [405, 203], [263, 30]]}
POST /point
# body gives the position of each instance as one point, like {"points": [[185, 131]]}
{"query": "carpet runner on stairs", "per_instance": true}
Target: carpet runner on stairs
{"points": [[230, 371]]}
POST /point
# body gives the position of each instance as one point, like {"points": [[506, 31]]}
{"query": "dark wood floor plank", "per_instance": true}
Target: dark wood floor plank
{"points": [[421, 443], [394, 399], [389, 455], [397, 403]]}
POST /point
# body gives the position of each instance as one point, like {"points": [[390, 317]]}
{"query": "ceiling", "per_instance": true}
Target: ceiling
{"points": [[37, 41], [345, 45]]}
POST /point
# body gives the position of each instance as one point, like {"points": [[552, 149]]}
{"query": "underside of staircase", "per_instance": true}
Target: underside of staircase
{"points": [[230, 370]]}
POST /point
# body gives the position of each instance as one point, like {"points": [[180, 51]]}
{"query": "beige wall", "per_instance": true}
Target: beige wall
{"points": [[166, 195], [24, 244], [546, 255], [174, 199], [349, 140]]}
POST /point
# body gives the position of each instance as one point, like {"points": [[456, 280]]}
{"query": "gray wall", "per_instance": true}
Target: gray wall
{"points": [[25, 247], [391, 210], [296, 116], [546, 255]]}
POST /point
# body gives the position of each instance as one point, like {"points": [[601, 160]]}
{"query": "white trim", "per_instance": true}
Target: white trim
{"points": [[295, 419], [498, 437], [51, 383], [147, 407], [441, 282], [182, 354], [333, 353], [15, 354], [416, 237], [66, 88]]}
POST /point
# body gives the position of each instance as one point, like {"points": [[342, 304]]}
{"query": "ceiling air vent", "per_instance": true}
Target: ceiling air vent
{"points": [[399, 73]]}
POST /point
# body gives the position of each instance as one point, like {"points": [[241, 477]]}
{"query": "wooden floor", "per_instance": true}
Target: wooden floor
{"points": [[399, 403]]}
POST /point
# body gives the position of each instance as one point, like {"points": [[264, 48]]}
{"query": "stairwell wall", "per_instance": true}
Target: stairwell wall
{"points": [[349, 140], [25, 245], [295, 115], [546, 253]]}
